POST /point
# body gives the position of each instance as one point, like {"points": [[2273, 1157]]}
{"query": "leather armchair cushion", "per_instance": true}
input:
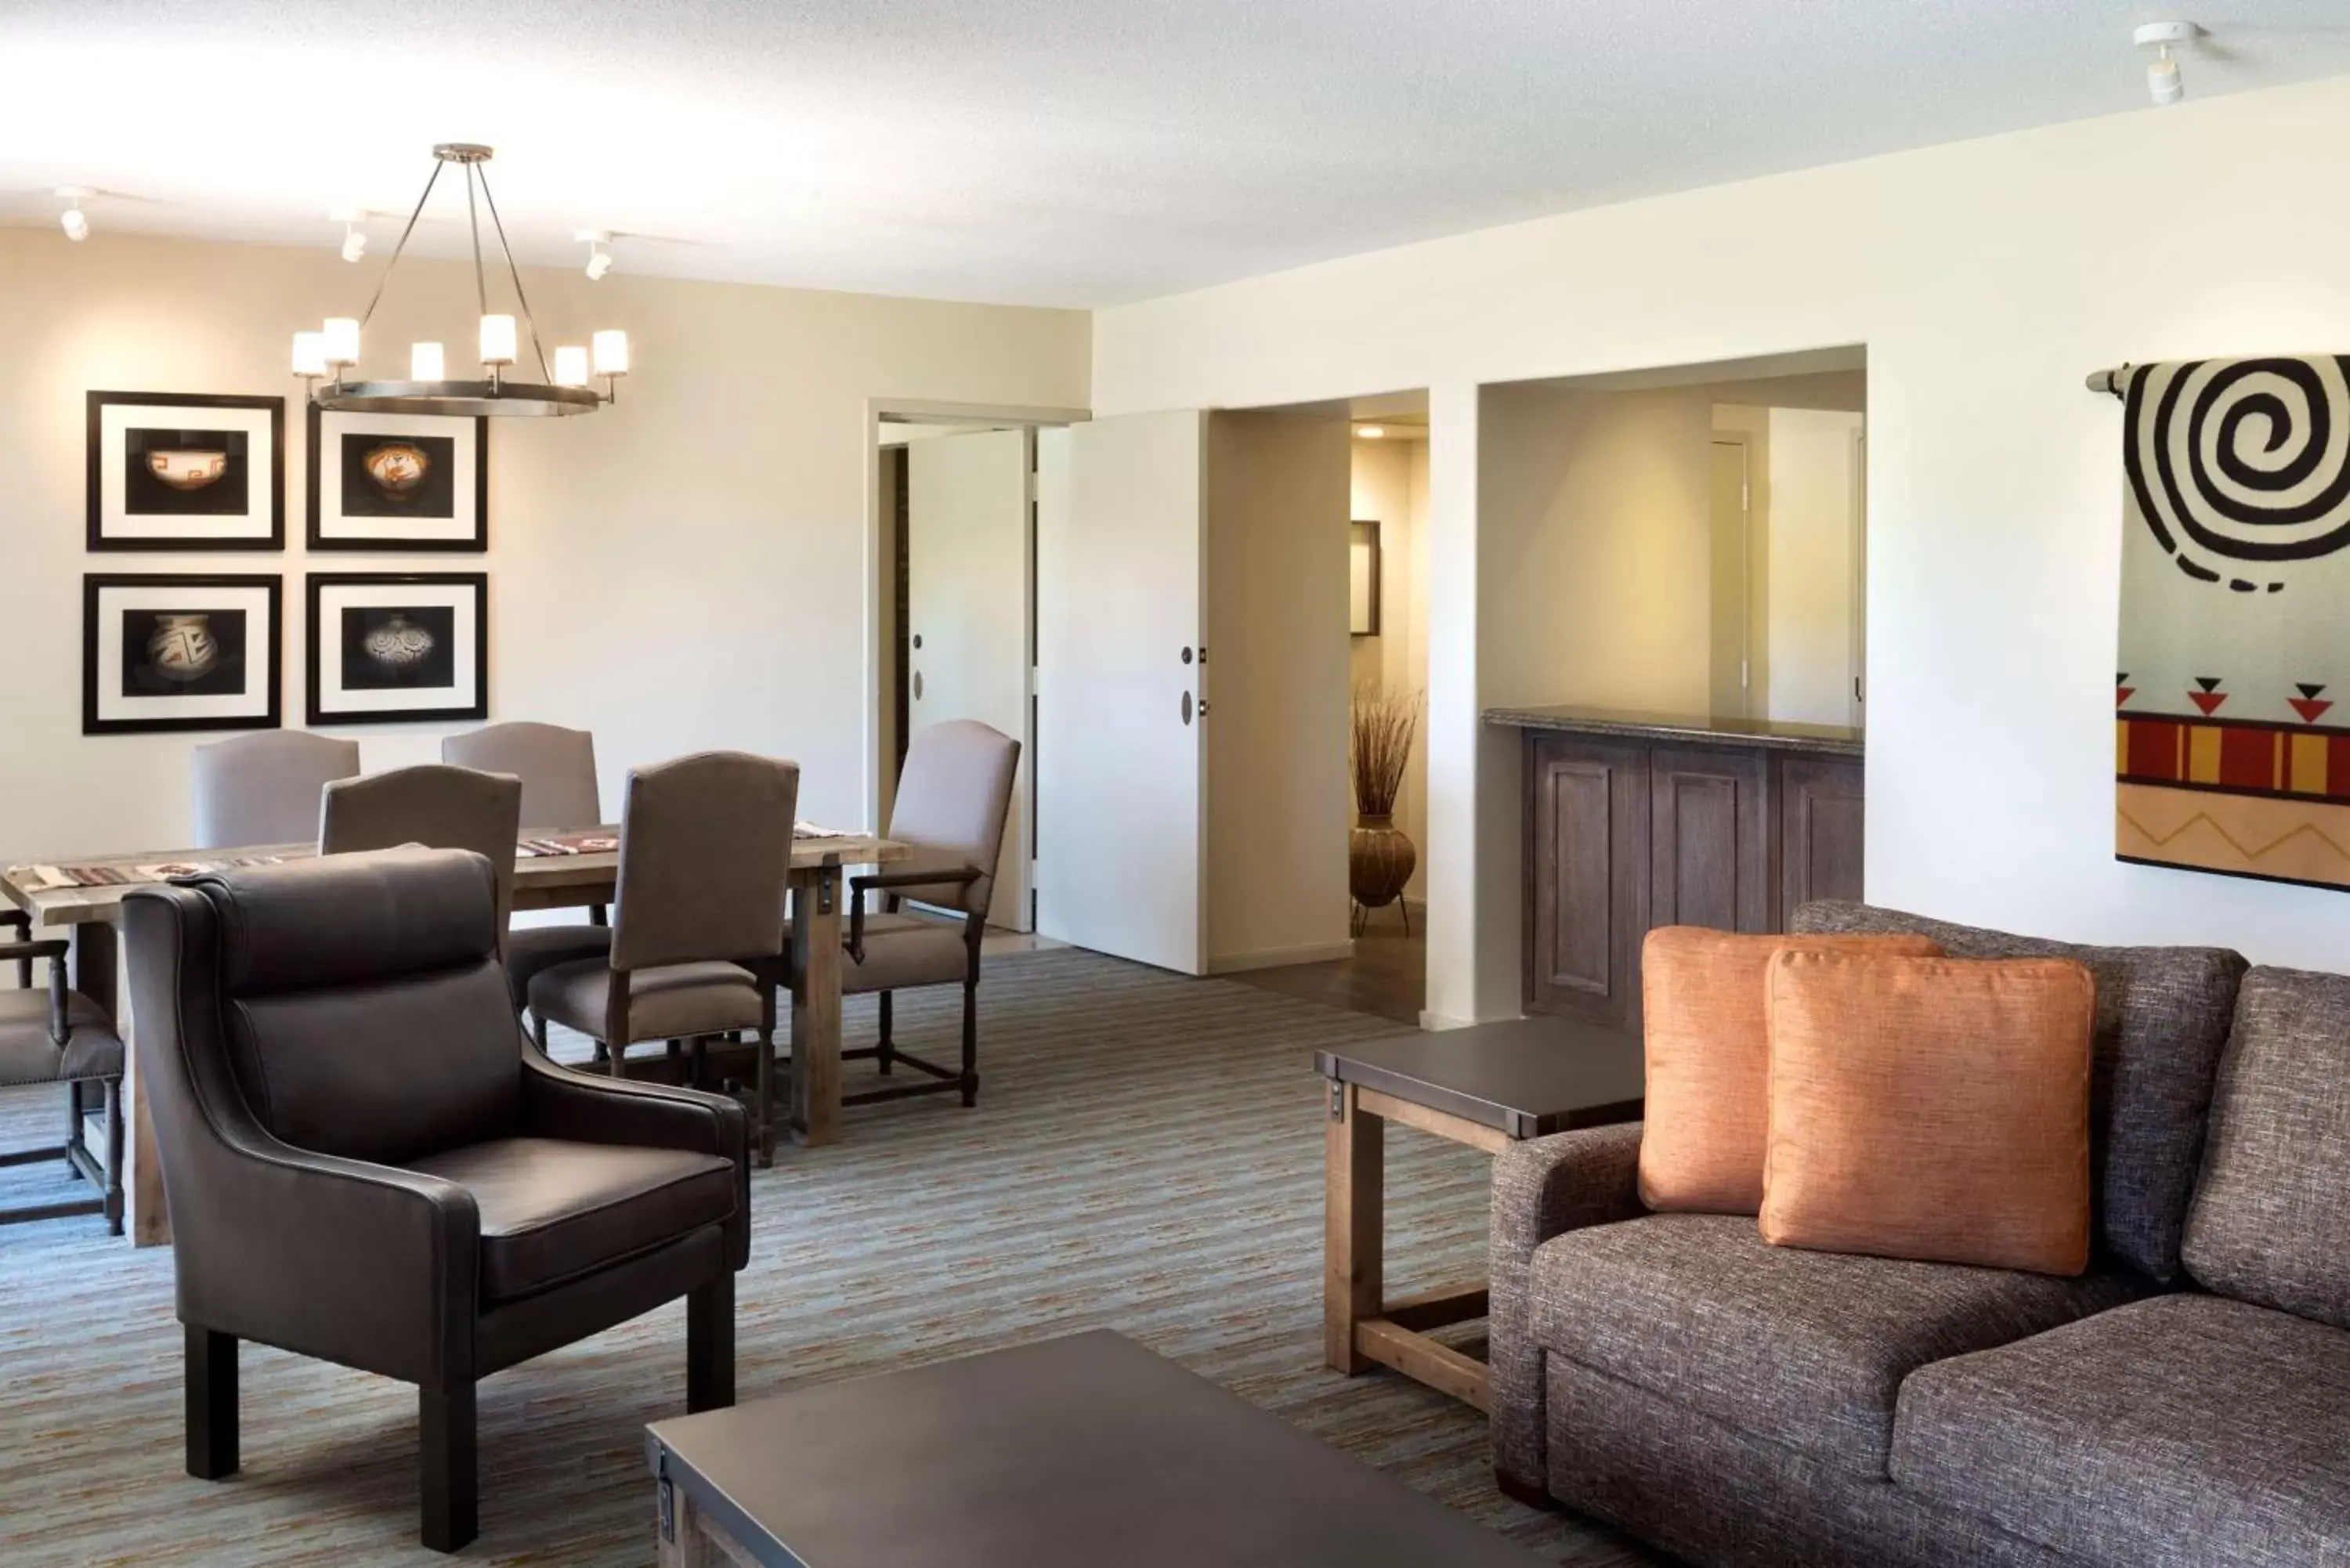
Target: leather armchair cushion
{"points": [[343, 919], [906, 950], [553, 1210], [27, 1054], [531, 951], [672, 1001], [382, 1072]]}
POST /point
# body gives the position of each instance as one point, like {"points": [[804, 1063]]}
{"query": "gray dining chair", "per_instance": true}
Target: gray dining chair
{"points": [[558, 770], [433, 804], [955, 795], [698, 929], [264, 788]]}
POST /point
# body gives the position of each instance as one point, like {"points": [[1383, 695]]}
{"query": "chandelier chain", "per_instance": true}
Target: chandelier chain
{"points": [[385, 277], [515, 273]]}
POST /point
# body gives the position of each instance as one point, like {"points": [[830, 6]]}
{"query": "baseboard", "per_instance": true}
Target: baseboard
{"points": [[1435, 1021], [1278, 958]]}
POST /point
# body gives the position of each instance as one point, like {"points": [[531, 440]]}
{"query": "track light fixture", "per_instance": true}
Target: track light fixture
{"points": [[600, 260], [2164, 83], [354, 236], [73, 220]]}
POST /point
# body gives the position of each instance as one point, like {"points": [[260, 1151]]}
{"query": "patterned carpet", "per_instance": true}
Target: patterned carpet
{"points": [[1146, 1156]]}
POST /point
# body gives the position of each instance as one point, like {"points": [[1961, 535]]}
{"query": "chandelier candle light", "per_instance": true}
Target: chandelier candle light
{"points": [[331, 354]]}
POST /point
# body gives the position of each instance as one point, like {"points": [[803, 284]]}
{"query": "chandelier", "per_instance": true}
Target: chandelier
{"points": [[331, 354]]}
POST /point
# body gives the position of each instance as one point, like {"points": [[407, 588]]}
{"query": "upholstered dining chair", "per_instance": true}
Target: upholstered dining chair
{"points": [[955, 795], [698, 933], [264, 788], [433, 805], [57, 1036], [558, 770], [367, 1163]]}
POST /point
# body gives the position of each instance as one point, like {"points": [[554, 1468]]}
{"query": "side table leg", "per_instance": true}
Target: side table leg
{"points": [[1353, 1221]]}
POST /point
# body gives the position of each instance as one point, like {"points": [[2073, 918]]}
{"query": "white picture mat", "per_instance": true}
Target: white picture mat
{"points": [[260, 636], [116, 421], [333, 698], [461, 528]]}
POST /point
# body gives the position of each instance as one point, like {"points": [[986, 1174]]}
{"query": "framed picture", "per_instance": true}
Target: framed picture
{"points": [[1363, 579], [399, 481], [166, 652], [184, 472], [389, 648]]}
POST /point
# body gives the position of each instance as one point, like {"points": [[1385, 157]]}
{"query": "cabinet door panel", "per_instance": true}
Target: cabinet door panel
{"points": [[1709, 851], [1821, 830], [1587, 877]]}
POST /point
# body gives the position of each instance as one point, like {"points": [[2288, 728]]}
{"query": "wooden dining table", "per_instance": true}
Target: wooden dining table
{"points": [[563, 880]]}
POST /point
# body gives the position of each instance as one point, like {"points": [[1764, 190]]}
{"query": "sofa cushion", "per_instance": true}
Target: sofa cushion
{"points": [[2270, 1222], [1707, 1037], [2186, 1430], [1807, 1349], [552, 1209], [2162, 1019]]}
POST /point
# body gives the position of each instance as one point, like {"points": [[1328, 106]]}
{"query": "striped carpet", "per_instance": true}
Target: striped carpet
{"points": [[1146, 1156]]}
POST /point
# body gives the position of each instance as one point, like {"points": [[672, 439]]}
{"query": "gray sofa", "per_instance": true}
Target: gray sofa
{"points": [[2187, 1401]]}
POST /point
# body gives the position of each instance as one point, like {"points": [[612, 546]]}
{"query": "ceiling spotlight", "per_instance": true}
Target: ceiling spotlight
{"points": [[600, 260], [73, 221], [1371, 432], [354, 236], [2163, 82]]}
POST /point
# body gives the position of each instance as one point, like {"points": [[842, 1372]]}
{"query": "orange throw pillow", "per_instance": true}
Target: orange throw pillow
{"points": [[1930, 1109], [1708, 1054]]}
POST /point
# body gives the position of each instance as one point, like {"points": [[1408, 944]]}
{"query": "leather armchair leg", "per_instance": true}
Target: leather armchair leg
{"points": [[210, 1402], [449, 1465], [709, 1344]]}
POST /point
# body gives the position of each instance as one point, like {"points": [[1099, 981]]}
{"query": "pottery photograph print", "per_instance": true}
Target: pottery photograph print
{"points": [[397, 482], [167, 652], [185, 471], [390, 647]]}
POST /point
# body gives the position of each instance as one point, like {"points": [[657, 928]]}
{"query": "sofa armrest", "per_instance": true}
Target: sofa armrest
{"points": [[561, 1103], [1542, 1188]]}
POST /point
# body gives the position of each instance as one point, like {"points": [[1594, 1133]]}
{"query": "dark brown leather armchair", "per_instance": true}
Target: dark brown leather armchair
{"points": [[367, 1163]]}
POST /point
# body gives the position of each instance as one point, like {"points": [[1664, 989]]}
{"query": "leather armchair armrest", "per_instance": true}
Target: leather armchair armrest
{"points": [[1542, 1188]]}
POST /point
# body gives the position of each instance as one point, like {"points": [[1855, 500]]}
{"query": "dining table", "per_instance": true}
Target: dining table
{"points": [[82, 896]]}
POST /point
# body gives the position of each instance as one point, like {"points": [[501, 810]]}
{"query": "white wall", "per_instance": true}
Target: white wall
{"points": [[1985, 279], [1276, 687], [684, 570], [1812, 455]]}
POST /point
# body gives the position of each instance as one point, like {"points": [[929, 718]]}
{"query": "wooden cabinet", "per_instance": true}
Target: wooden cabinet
{"points": [[1626, 834]]}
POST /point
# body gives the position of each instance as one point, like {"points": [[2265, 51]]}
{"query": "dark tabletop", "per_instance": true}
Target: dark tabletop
{"points": [[1084, 1450], [1763, 734], [1529, 1077]]}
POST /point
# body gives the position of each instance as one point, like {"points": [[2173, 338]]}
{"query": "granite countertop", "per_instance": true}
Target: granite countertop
{"points": [[1764, 734]]}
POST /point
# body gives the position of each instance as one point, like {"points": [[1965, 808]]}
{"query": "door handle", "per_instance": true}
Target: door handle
{"points": [[1187, 706], [918, 685]]}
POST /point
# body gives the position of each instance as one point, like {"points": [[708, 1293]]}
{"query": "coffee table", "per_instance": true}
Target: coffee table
{"points": [[1485, 1086], [1083, 1450]]}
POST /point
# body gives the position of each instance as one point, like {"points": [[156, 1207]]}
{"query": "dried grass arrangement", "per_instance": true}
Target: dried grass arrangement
{"points": [[1378, 748]]}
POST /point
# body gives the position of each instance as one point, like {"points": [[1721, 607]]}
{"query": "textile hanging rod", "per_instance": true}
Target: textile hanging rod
{"points": [[2110, 381]]}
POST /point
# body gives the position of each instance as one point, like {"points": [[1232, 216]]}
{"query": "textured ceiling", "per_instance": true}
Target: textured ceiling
{"points": [[1078, 153]]}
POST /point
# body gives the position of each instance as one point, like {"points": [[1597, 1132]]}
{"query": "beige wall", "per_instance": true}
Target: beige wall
{"points": [[1811, 476], [1390, 486], [688, 570], [1985, 278], [1276, 687]]}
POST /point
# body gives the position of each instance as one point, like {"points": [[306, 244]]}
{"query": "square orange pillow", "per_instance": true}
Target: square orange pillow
{"points": [[1930, 1109], [1709, 1061]]}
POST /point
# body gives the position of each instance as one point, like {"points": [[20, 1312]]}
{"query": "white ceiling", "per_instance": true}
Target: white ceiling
{"points": [[1076, 153]]}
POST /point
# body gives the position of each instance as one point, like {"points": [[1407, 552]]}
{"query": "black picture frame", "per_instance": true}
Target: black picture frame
{"points": [[317, 468], [95, 622], [103, 534], [316, 633]]}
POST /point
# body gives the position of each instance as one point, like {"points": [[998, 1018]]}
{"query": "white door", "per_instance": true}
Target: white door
{"points": [[1120, 742], [967, 611]]}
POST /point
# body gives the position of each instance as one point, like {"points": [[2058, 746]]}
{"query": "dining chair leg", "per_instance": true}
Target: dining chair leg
{"points": [[448, 1466], [113, 1091], [73, 1114], [970, 1042], [211, 1411], [885, 1050], [709, 1344], [765, 1133]]}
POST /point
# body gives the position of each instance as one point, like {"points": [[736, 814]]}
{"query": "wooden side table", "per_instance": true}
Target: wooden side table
{"points": [[1485, 1086]]}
